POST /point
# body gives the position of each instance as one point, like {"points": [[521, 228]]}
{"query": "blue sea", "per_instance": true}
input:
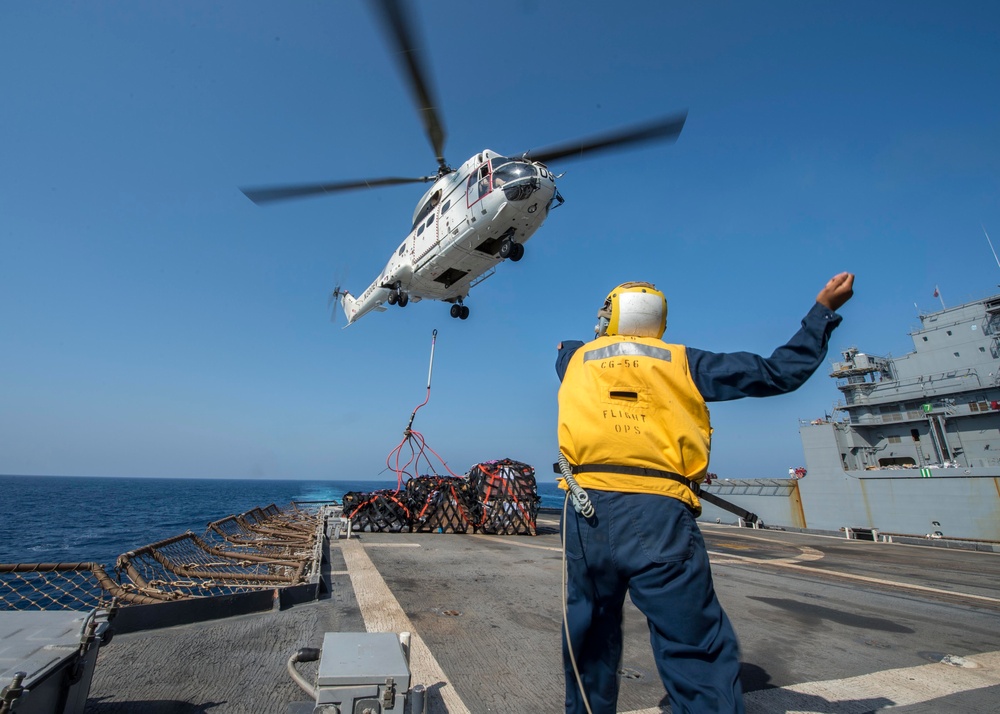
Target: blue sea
{"points": [[75, 519]]}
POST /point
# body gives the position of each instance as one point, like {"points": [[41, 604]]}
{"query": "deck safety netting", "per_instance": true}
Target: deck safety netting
{"points": [[55, 586], [495, 497], [264, 548], [269, 531], [187, 566]]}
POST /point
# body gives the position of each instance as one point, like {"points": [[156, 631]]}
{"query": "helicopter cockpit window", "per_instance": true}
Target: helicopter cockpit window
{"points": [[402, 248], [484, 180], [498, 161], [445, 207], [518, 179], [479, 183]]}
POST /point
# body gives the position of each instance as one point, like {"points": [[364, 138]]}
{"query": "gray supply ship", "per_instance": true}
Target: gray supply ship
{"points": [[913, 448]]}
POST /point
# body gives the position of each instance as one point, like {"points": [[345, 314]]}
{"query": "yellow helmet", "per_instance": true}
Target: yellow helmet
{"points": [[634, 309]]}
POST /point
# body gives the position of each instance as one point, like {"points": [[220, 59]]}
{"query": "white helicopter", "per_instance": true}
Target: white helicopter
{"points": [[473, 217]]}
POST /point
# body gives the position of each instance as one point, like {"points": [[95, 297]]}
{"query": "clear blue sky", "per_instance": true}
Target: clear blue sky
{"points": [[154, 322]]}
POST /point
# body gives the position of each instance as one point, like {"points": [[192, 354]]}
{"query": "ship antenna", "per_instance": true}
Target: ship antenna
{"points": [[991, 245]]}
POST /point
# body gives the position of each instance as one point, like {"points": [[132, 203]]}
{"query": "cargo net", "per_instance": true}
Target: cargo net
{"points": [[495, 497], [263, 548], [506, 497], [441, 504]]}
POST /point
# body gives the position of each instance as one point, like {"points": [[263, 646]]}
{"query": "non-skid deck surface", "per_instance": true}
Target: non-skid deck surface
{"points": [[826, 625]]}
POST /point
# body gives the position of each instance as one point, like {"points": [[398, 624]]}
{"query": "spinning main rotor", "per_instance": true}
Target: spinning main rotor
{"points": [[401, 34]]}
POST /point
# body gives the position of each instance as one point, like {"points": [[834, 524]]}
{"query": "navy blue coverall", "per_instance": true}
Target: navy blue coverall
{"points": [[650, 546]]}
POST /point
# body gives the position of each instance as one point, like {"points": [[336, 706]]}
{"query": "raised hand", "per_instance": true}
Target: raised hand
{"points": [[837, 291]]}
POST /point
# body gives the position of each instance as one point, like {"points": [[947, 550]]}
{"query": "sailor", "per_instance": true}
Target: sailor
{"points": [[635, 429]]}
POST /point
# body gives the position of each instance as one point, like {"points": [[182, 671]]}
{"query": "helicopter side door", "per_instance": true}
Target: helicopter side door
{"points": [[425, 232], [441, 260], [454, 216], [478, 187]]}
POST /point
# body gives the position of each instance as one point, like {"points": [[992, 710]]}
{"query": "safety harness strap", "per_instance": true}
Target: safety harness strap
{"points": [[656, 473], [637, 471]]}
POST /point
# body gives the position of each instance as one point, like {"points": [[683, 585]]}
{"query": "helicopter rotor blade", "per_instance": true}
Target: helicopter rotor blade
{"points": [[267, 194], [402, 35], [664, 129]]}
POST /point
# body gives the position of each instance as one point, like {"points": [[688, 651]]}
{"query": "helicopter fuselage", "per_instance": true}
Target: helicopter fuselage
{"points": [[467, 223]]}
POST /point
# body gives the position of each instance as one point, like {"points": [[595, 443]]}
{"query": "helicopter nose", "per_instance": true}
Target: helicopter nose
{"points": [[518, 180]]}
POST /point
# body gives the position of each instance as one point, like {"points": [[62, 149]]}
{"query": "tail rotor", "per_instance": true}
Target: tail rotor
{"points": [[335, 303]]}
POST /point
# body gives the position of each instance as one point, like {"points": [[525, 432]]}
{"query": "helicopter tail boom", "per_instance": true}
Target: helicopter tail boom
{"points": [[356, 308]]}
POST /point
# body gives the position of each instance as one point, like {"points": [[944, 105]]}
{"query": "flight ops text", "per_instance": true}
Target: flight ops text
{"points": [[626, 416]]}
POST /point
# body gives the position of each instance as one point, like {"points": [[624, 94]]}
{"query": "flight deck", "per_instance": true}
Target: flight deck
{"points": [[826, 625]]}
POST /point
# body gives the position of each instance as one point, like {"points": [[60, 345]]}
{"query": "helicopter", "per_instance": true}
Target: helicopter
{"points": [[472, 218]]}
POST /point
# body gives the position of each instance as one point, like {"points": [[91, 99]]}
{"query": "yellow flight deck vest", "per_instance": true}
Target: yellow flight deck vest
{"points": [[630, 401]]}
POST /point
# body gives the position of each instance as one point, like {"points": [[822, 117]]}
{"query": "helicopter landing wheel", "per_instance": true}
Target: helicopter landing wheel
{"points": [[403, 299], [505, 248], [464, 313], [456, 310], [516, 252], [393, 297]]}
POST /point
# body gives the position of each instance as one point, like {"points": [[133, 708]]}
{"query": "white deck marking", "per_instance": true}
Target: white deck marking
{"points": [[892, 687], [723, 558], [876, 691], [507, 540], [806, 554], [382, 613], [809, 554]]}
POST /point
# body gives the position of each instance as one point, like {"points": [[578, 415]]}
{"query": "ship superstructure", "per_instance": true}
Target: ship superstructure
{"points": [[936, 407], [913, 446]]}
